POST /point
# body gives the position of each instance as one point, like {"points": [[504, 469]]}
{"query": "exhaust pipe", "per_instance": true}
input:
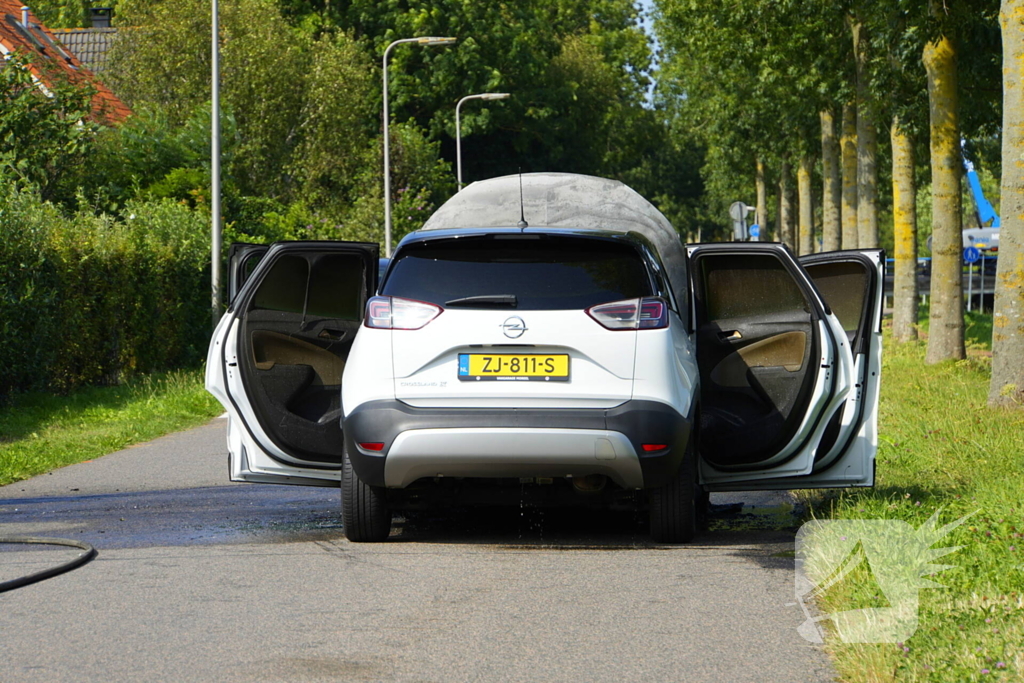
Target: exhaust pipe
{"points": [[591, 483]]}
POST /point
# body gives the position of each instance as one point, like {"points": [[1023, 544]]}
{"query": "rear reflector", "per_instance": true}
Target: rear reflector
{"points": [[650, 313], [393, 313], [374, 446], [652, 447]]}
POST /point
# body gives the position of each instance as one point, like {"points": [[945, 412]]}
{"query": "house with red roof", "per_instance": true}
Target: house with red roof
{"points": [[22, 34]]}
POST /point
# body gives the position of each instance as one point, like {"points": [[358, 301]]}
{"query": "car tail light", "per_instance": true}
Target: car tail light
{"points": [[375, 446], [654, 447], [650, 313], [393, 313]]}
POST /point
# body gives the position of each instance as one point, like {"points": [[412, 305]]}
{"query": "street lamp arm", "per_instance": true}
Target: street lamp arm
{"points": [[458, 127], [422, 40]]}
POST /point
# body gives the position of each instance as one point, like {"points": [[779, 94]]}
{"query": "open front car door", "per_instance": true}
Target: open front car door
{"points": [[789, 355], [277, 356]]}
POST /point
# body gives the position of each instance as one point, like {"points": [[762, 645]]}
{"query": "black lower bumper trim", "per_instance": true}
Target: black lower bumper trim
{"points": [[642, 422]]}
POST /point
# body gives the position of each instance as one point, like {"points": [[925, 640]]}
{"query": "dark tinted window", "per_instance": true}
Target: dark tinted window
{"points": [[751, 285], [335, 283], [284, 287], [843, 286], [549, 273], [336, 287]]}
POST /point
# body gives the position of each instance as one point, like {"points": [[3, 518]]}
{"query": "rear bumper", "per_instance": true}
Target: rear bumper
{"points": [[470, 442]]}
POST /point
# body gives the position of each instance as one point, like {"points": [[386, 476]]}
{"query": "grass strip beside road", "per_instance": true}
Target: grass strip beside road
{"points": [[40, 432], [942, 448]]}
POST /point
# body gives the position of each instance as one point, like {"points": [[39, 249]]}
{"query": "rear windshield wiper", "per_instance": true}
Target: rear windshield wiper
{"points": [[485, 300]]}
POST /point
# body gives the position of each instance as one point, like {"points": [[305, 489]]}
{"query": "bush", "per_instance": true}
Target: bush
{"points": [[92, 299]]}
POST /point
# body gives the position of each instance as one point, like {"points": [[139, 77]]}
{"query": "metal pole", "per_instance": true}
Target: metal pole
{"points": [[458, 144], [970, 285], [215, 228], [981, 301], [387, 158]]}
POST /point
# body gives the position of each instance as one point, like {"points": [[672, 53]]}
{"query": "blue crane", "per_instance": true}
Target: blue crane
{"points": [[986, 234]]}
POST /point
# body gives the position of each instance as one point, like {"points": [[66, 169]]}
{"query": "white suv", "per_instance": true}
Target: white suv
{"points": [[548, 337]]}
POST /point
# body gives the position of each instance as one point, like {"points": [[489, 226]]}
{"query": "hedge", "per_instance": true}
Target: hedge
{"points": [[92, 299]]}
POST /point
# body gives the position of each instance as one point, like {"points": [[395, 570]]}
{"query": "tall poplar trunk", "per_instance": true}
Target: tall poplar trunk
{"points": [[805, 197], [946, 321], [786, 208], [832, 186], [867, 149], [848, 144], [1007, 386], [904, 215], [762, 202]]}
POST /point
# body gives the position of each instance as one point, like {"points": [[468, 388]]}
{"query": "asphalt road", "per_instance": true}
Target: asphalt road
{"points": [[202, 580]]}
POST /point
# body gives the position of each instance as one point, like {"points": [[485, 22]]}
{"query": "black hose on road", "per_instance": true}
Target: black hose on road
{"points": [[85, 557]]}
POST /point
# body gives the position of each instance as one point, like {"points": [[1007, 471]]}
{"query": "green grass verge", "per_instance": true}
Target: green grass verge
{"points": [[941, 448], [41, 432]]}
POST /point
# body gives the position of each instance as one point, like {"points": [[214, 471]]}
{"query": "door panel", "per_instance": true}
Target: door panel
{"points": [[850, 284], [282, 353], [774, 363]]}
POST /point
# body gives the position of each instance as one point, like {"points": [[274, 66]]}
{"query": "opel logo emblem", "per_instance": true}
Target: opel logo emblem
{"points": [[514, 327]]}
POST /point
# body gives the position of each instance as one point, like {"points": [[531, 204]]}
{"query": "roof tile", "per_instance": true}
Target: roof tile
{"points": [[39, 42]]}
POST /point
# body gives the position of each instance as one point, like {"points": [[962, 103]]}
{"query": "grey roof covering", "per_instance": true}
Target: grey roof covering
{"points": [[90, 45], [565, 200]]}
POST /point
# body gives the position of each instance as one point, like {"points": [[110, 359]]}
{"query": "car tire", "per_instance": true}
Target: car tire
{"points": [[364, 510], [673, 507]]}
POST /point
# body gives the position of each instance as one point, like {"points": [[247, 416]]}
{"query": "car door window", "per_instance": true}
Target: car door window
{"points": [[844, 286]]}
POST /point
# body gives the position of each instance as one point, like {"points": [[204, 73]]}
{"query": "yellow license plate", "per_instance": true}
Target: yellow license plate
{"points": [[513, 368]]}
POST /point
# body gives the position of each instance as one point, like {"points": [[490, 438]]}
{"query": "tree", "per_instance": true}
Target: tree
{"points": [[805, 240], [867, 143], [298, 115], [946, 322], [762, 198], [1007, 384], [304, 90], [62, 13], [904, 189], [44, 137], [832, 190], [848, 150], [752, 79]]}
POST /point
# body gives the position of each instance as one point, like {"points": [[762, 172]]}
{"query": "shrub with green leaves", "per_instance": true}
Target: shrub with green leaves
{"points": [[91, 299]]}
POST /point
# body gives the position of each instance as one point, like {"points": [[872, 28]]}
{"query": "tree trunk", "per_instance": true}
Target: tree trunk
{"points": [[786, 208], [867, 149], [867, 183], [762, 202], [1007, 387], [832, 187], [904, 216], [848, 143], [946, 321], [805, 197]]}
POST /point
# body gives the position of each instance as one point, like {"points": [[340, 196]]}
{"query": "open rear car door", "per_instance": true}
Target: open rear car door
{"points": [[277, 356], [789, 354]]}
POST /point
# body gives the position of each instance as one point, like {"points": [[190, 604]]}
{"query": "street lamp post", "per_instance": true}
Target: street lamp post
{"points": [[458, 128], [215, 227], [425, 40]]}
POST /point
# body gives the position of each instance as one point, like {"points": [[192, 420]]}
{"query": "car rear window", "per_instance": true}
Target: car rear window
{"points": [[541, 272]]}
